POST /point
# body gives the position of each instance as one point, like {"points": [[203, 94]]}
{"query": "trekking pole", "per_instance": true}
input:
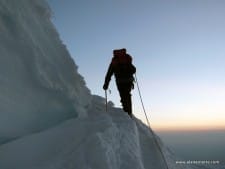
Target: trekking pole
{"points": [[154, 136], [106, 106]]}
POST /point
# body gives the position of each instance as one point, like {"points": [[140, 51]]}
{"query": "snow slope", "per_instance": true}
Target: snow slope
{"points": [[39, 83], [48, 118], [103, 140]]}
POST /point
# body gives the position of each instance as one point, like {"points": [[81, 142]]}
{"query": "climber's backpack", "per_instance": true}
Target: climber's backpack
{"points": [[122, 63], [121, 57]]}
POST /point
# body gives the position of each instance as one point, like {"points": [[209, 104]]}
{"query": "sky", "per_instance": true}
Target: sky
{"points": [[177, 47]]}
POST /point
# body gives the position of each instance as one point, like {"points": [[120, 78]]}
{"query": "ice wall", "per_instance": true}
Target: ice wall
{"points": [[39, 82]]}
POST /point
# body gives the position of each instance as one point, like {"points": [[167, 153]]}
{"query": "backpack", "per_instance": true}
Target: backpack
{"points": [[121, 57], [122, 64]]}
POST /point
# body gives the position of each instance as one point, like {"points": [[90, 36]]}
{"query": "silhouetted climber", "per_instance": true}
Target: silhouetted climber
{"points": [[123, 69]]}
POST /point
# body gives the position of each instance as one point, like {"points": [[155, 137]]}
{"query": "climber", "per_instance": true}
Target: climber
{"points": [[123, 69]]}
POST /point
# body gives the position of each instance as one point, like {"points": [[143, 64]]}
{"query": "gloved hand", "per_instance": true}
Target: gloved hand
{"points": [[105, 86]]}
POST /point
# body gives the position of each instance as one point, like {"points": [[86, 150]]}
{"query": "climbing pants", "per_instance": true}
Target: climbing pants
{"points": [[125, 95]]}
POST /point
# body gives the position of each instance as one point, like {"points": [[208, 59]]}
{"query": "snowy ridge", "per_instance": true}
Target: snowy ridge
{"points": [[100, 141], [48, 118]]}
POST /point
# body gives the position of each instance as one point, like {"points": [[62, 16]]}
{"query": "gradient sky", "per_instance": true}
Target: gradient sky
{"points": [[177, 47]]}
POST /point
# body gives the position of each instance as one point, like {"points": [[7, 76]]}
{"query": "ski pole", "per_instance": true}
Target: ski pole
{"points": [[106, 106]]}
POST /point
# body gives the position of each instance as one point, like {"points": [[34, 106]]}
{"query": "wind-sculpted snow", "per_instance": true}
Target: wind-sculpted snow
{"points": [[102, 140], [39, 83]]}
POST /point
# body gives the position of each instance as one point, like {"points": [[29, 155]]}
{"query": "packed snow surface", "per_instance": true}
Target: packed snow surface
{"points": [[48, 118], [100, 141]]}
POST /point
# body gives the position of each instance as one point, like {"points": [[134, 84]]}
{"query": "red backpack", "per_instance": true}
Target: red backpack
{"points": [[121, 57], [122, 63]]}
